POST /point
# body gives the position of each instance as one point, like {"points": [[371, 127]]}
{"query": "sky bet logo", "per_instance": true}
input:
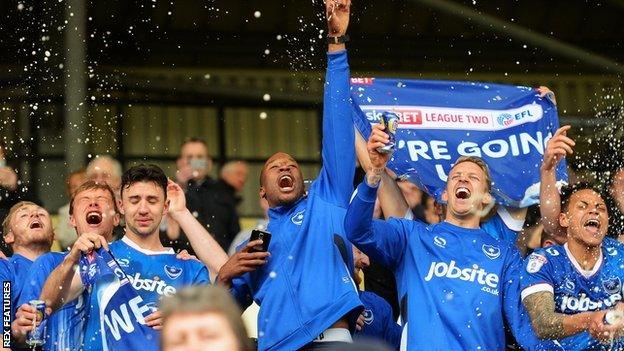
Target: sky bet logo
{"points": [[507, 119], [406, 116], [488, 281]]}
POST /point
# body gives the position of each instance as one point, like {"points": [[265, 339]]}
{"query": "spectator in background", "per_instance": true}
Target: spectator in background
{"points": [[12, 190], [203, 318], [65, 232], [212, 204], [105, 169], [234, 175]]}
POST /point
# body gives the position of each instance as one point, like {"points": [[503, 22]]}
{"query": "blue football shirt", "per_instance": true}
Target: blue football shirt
{"points": [[576, 290], [152, 274], [64, 328]]}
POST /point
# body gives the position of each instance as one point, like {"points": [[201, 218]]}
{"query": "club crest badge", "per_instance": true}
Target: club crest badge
{"points": [[173, 272], [536, 261], [613, 285], [492, 252]]}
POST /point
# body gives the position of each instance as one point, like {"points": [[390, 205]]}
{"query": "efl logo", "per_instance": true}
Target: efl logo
{"points": [[362, 81], [505, 119]]}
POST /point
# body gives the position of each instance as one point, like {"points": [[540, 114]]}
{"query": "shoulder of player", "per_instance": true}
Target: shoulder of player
{"points": [[50, 258], [6, 271], [370, 298], [117, 244], [192, 265], [410, 224], [551, 251], [549, 256]]}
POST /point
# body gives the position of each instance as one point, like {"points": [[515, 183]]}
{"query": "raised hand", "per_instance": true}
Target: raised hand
{"points": [[154, 320], [24, 320], [544, 91], [242, 262], [378, 138], [176, 197], [86, 243], [557, 148], [337, 12]]}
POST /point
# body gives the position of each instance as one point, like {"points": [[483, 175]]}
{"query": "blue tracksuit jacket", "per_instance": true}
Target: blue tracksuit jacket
{"points": [[306, 286]]}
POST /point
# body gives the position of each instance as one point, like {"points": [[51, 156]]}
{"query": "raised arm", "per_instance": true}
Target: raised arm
{"points": [[204, 245], [391, 199], [383, 241], [336, 178], [550, 325], [557, 148], [64, 283]]}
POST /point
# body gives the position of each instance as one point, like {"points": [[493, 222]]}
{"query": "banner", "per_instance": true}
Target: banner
{"points": [[507, 126], [121, 310]]}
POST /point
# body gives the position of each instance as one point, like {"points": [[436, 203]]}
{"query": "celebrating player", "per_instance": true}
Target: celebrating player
{"points": [[306, 295], [153, 270], [569, 288], [92, 209], [461, 283]]}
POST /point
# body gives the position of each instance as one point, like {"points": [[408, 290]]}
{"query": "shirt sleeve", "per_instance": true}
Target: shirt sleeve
{"points": [[536, 274], [335, 181], [241, 291], [6, 275], [202, 277], [392, 331], [515, 313], [383, 241], [35, 280], [503, 226]]}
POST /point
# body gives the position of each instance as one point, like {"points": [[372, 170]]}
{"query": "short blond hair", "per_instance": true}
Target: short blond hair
{"points": [[479, 162], [207, 299], [6, 223]]}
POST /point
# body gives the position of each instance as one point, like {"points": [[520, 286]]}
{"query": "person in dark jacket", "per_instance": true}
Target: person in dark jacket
{"points": [[212, 203]]}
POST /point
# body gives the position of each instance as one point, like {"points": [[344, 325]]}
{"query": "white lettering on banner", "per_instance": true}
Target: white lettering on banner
{"points": [[429, 117], [160, 286], [121, 318], [489, 281], [514, 145], [496, 148]]}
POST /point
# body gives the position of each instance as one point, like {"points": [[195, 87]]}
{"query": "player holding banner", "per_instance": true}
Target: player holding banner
{"points": [[92, 210], [153, 270], [461, 283]]}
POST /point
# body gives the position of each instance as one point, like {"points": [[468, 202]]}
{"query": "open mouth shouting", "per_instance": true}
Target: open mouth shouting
{"points": [[94, 218], [286, 183], [592, 225], [462, 193], [35, 224]]}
